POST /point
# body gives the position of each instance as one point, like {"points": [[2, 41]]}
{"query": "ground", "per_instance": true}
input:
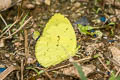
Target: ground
{"points": [[99, 56]]}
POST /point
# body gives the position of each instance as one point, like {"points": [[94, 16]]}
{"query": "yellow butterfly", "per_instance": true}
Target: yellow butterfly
{"points": [[57, 43]]}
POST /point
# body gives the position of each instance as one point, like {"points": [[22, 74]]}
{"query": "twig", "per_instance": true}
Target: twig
{"points": [[8, 71], [80, 60], [104, 65], [18, 28], [114, 62], [26, 44], [22, 69], [117, 15], [117, 73], [11, 26], [8, 28], [70, 64], [3, 20], [114, 5], [48, 75], [117, 37], [20, 49], [18, 76]]}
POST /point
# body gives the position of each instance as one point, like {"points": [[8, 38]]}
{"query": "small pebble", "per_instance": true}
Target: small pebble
{"points": [[114, 19], [77, 4], [38, 2], [7, 55], [57, 11], [47, 2], [2, 65], [74, 16], [14, 63], [72, 1], [105, 37], [2, 43], [29, 60], [45, 17], [30, 6]]}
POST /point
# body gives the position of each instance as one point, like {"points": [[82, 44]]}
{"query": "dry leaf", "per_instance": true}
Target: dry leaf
{"points": [[47, 2], [116, 53], [72, 70], [4, 4]]}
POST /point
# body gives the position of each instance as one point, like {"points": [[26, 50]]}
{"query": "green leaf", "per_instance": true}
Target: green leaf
{"points": [[36, 35], [98, 33], [107, 62], [23, 20], [6, 27], [112, 77], [34, 69], [57, 43], [118, 78], [84, 29], [40, 72], [96, 56], [79, 69], [112, 23]]}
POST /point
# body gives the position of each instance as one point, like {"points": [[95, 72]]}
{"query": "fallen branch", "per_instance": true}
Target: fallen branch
{"points": [[4, 74], [18, 28]]}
